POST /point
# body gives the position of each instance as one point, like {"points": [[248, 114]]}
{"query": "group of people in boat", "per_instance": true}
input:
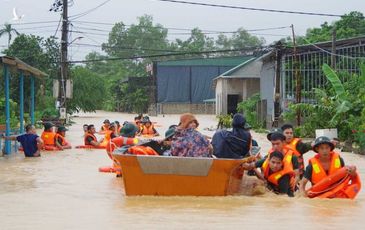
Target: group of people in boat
{"points": [[283, 168]]}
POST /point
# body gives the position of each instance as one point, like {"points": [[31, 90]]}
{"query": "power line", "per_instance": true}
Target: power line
{"points": [[125, 47], [251, 8], [183, 29], [331, 53], [32, 23], [89, 11], [171, 54]]}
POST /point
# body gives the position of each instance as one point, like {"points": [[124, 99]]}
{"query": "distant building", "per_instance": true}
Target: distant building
{"points": [[186, 85], [255, 75]]}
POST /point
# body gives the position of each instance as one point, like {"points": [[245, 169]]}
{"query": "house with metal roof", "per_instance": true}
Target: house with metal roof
{"points": [[255, 75], [186, 85]]}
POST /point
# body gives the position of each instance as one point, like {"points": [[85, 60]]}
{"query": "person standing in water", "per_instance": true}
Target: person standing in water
{"points": [[31, 142]]}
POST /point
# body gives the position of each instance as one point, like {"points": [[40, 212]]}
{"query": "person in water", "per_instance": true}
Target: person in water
{"points": [[30, 141], [187, 141], [60, 140], [105, 126], [296, 145], [233, 144], [278, 174], [90, 138], [325, 163], [84, 128], [147, 128], [48, 135]]}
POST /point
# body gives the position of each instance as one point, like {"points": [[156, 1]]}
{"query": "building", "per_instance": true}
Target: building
{"points": [[255, 75], [186, 85]]}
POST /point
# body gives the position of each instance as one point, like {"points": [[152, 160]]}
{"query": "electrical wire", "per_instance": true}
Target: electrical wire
{"points": [[329, 52], [251, 8], [89, 11], [248, 49]]}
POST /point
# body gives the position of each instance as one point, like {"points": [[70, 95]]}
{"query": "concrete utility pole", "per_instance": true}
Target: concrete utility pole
{"points": [[64, 61]]}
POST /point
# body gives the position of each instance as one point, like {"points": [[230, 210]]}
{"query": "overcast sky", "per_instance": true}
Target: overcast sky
{"points": [[171, 15]]}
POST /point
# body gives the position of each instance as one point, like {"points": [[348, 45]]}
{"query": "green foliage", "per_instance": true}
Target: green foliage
{"points": [[350, 25], [133, 99], [89, 90], [224, 121], [249, 109], [14, 120], [341, 106]]}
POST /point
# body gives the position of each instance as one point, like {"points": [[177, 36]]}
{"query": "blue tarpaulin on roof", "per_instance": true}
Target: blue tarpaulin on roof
{"points": [[186, 84]]}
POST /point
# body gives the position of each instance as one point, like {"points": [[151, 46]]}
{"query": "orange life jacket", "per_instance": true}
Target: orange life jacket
{"points": [[293, 146], [287, 169], [86, 142], [147, 131], [59, 136], [142, 150], [48, 138], [104, 128], [318, 173]]}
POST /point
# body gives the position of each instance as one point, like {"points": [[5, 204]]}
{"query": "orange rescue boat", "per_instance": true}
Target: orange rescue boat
{"points": [[180, 176]]}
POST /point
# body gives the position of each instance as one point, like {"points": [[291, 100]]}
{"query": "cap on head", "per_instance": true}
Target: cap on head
{"points": [[48, 125], [106, 121], [322, 140], [170, 132], [128, 130], [62, 129], [278, 132]]}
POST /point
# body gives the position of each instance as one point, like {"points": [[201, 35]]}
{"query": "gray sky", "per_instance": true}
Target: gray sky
{"points": [[171, 15]]}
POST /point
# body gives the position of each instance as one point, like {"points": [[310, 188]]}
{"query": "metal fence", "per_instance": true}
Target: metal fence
{"points": [[349, 54]]}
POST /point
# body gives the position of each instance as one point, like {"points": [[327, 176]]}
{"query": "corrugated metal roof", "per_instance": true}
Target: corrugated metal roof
{"points": [[222, 61]]}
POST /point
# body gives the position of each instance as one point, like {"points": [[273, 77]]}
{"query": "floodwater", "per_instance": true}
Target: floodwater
{"points": [[64, 190]]}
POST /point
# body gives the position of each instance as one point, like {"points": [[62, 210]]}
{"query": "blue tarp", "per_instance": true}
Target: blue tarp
{"points": [[186, 84]]}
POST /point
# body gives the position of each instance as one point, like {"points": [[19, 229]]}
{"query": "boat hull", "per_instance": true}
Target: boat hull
{"points": [[180, 176]]}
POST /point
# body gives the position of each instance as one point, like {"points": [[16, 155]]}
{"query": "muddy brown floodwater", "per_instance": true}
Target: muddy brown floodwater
{"points": [[64, 190]]}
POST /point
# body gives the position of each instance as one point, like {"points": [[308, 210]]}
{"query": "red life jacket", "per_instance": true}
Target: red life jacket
{"points": [[86, 142], [318, 173]]}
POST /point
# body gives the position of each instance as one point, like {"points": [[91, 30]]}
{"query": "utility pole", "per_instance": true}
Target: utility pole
{"points": [[277, 98], [333, 56], [298, 87], [64, 61]]}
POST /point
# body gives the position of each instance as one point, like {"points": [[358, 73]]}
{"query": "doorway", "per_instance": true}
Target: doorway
{"points": [[232, 101]]}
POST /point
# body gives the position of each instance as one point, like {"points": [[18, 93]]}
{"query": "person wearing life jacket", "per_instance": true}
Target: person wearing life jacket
{"points": [[277, 139], [48, 135], [296, 145], [105, 126], [90, 138], [147, 128], [278, 172], [60, 140], [325, 163]]}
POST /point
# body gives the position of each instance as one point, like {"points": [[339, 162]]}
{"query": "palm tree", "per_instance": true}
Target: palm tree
{"points": [[8, 30]]}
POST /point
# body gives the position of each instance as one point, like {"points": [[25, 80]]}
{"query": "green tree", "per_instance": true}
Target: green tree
{"points": [[89, 90], [42, 54], [239, 39], [197, 42], [350, 25], [8, 30]]}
